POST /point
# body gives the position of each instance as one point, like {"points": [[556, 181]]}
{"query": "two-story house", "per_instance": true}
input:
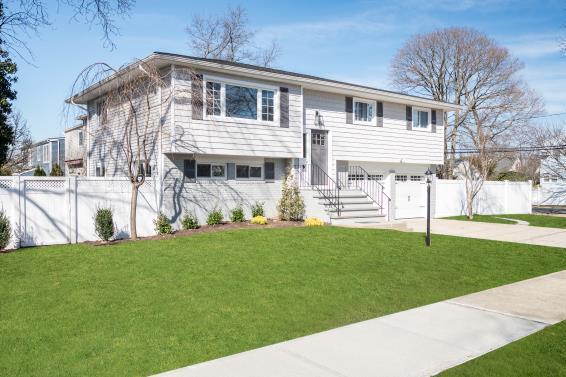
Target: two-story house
{"points": [[47, 153], [75, 148], [230, 132]]}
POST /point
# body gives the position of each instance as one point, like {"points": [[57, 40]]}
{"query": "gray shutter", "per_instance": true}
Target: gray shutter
{"points": [[409, 117], [231, 170], [379, 114], [196, 96], [349, 110], [433, 120], [284, 107], [189, 169], [269, 170]]}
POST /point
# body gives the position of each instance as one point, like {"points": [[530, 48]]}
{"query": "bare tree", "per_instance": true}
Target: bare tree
{"points": [[22, 18], [18, 152], [465, 67], [551, 140], [229, 37], [129, 120]]}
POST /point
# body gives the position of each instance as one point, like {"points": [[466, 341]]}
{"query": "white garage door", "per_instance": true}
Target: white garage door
{"points": [[410, 197]]}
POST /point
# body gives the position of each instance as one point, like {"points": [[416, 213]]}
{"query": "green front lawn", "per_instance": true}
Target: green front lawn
{"points": [[533, 220], [540, 354], [137, 308]]}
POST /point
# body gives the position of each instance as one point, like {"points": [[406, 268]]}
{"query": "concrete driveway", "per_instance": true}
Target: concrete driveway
{"points": [[533, 235]]}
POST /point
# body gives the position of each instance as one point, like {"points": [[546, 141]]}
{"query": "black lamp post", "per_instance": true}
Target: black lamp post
{"points": [[428, 175]]}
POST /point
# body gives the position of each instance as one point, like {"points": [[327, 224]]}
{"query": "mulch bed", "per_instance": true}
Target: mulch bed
{"points": [[206, 229]]}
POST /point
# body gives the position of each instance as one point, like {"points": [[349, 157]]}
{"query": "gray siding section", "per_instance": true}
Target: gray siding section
{"points": [[204, 195], [234, 136]]}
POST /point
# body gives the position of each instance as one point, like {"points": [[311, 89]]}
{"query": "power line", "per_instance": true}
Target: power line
{"points": [[510, 149]]}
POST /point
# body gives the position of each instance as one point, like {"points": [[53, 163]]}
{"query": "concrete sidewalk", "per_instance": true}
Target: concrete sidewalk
{"points": [[533, 235], [417, 342]]}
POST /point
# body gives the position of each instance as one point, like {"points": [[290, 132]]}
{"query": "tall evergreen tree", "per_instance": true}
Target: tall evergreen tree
{"points": [[7, 95]]}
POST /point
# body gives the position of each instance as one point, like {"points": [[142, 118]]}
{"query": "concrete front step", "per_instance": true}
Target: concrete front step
{"points": [[357, 215], [347, 201], [355, 208]]}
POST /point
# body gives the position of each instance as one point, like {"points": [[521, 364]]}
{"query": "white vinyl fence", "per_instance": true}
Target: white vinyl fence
{"points": [[56, 210], [495, 197]]}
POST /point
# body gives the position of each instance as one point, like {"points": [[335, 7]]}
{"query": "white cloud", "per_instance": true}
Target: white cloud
{"points": [[533, 45]]}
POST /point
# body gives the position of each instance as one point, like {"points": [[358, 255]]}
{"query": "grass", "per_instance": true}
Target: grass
{"points": [[138, 308], [540, 354], [533, 220]]}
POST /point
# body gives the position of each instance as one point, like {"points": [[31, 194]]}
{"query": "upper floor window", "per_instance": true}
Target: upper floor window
{"points": [[420, 119], [235, 100], [81, 138], [363, 111], [102, 112], [267, 105], [213, 98], [100, 171], [241, 102], [46, 153]]}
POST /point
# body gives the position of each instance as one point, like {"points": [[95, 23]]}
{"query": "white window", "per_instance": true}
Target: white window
{"points": [[401, 178], [267, 105], [213, 98], [554, 178], [100, 171], [363, 111], [375, 177], [420, 119], [417, 178], [233, 99], [248, 172], [144, 169], [318, 138], [546, 178], [46, 153], [81, 138], [211, 170], [102, 112]]}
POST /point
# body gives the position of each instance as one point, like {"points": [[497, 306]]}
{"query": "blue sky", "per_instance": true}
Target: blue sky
{"points": [[345, 40]]}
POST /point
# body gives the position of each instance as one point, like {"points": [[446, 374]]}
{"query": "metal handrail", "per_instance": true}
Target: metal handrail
{"points": [[313, 176], [359, 178]]}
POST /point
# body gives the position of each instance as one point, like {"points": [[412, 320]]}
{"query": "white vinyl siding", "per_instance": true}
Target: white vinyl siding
{"points": [[392, 143], [236, 136]]}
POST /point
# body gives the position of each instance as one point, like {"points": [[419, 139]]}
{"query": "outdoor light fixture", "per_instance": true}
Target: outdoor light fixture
{"points": [[428, 175]]}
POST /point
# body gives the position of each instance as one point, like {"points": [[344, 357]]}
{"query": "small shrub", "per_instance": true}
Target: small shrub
{"points": [[237, 215], [39, 172], [5, 230], [5, 170], [189, 221], [215, 217], [162, 224], [56, 171], [291, 205], [257, 209], [313, 221], [104, 223], [260, 220]]}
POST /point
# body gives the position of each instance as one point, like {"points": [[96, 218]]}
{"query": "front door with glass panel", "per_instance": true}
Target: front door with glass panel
{"points": [[319, 156]]}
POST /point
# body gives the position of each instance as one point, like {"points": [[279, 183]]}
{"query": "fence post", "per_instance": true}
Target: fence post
{"points": [[506, 202], [21, 210], [72, 192], [530, 188]]}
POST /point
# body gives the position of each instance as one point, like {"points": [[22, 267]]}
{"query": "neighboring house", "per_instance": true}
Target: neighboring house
{"points": [[552, 181], [47, 153], [255, 123], [75, 148]]}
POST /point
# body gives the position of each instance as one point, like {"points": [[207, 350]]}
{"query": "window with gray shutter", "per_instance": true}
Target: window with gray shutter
{"points": [[231, 170], [284, 107], [269, 170], [349, 110], [409, 117], [379, 114], [196, 96], [433, 120], [189, 171]]}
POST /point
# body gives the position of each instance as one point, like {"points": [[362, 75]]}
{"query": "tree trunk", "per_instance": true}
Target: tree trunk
{"points": [[133, 212]]}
